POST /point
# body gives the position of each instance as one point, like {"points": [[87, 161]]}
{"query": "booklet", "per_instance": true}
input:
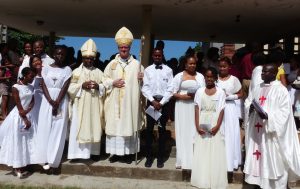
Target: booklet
{"points": [[258, 108], [153, 113], [23, 130], [206, 127]]}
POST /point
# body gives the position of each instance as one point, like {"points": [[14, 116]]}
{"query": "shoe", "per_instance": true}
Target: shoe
{"points": [[114, 159], [46, 167], [95, 157], [148, 162], [177, 167], [160, 163], [18, 174], [126, 159]]}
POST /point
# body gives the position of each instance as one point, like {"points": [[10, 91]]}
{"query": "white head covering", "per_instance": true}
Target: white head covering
{"points": [[89, 48], [124, 37]]}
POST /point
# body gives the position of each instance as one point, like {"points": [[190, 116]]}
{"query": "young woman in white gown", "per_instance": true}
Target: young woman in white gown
{"points": [[185, 84], [35, 64], [53, 115], [209, 168], [17, 130], [232, 88]]}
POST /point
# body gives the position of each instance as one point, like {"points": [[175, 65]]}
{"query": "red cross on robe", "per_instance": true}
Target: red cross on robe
{"points": [[257, 154], [258, 126], [262, 100]]}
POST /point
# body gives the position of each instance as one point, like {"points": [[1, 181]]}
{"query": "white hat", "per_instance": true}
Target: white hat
{"points": [[124, 37], [89, 48]]}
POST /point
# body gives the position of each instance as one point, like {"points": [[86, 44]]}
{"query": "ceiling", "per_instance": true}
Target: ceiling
{"points": [[188, 20]]}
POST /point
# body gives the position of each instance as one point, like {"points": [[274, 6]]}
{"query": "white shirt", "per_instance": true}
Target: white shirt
{"points": [[158, 82]]}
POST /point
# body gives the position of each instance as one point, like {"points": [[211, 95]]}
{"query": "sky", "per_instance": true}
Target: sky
{"points": [[108, 47]]}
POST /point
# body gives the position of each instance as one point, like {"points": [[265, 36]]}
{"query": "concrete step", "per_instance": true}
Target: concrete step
{"points": [[104, 168], [64, 181]]}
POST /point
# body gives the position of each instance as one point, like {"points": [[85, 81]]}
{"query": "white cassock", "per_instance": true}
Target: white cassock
{"points": [[51, 131], [272, 145], [122, 106], [185, 119], [231, 124], [87, 114]]}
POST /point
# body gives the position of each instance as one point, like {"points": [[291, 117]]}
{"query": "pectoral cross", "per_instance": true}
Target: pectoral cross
{"points": [[262, 100], [258, 126], [54, 80], [257, 154]]}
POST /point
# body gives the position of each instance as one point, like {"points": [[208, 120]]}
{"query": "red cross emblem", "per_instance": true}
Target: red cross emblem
{"points": [[262, 100], [257, 154], [258, 126]]}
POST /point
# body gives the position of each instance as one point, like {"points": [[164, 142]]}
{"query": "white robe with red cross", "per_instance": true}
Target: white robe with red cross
{"points": [[272, 145]]}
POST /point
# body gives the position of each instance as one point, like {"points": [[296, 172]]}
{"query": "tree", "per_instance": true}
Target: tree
{"points": [[198, 47], [23, 37]]}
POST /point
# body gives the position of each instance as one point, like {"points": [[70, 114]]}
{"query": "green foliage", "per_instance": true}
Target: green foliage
{"points": [[23, 37], [198, 47]]}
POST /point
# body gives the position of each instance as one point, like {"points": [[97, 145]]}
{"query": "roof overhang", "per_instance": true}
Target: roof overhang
{"points": [[189, 20]]}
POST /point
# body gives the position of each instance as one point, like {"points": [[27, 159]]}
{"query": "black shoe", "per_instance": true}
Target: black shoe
{"points": [[114, 159], [127, 159], [95, 157], [160, 163], [148, 162]]}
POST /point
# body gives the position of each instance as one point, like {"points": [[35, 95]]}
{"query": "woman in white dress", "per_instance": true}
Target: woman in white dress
{"points": [[232, 88], [53, 115], [209, 168], [185, 84], [35, 64], [18, 127]]}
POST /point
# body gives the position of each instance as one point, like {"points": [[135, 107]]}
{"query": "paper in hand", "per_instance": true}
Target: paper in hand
{"points": [[258, 108], [206, 127], [153, 113], [23, 130]]}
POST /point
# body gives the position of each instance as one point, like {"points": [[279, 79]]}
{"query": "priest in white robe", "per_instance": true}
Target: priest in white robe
{"points": [[86, 91], [272, 144], [122, 103]]}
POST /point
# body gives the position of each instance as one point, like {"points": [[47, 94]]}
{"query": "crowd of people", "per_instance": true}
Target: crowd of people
{"points": [[208, 97]]}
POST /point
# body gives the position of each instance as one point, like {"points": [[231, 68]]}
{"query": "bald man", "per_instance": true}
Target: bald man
{"points": [[272, 144]]}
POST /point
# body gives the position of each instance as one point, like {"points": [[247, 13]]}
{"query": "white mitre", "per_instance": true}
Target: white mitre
{"points": [[124, 37], [89, 48]]}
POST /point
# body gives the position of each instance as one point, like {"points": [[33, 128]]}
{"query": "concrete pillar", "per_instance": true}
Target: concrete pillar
{"points": [[51, 43], [146, 32]]}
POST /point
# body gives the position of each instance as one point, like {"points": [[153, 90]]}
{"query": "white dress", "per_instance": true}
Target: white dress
{"points": [[51, 132], [185, 120], [209, 168], [185, 127], [231, 124], [17, 144]]}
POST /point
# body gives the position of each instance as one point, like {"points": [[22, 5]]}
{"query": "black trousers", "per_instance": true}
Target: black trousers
{"points": [[161, 130]]}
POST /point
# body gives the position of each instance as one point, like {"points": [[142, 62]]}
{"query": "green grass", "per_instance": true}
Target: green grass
{"points": [[4, 186]]}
